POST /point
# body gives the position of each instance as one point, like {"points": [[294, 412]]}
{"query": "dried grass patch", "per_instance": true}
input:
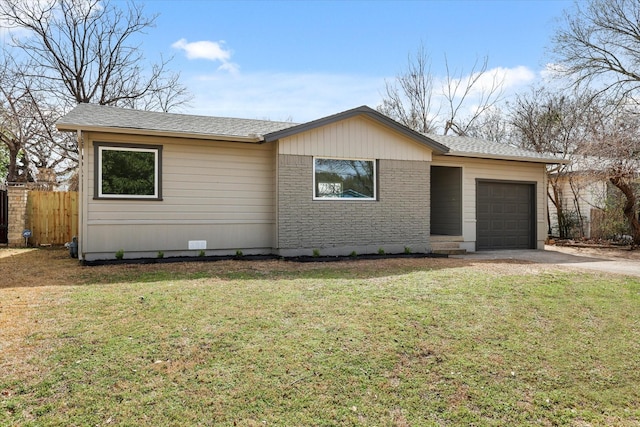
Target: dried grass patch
{"points": [[363, 342]]}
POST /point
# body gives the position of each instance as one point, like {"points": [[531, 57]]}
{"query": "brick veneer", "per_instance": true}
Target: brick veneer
{"points": [[17, 215], [398, 219]]}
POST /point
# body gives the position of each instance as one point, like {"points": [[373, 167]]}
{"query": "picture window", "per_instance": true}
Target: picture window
{"points": [[128, 172], [341, 179]]}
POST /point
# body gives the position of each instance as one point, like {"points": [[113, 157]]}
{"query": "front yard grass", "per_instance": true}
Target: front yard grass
{"points": [[386, 343]]}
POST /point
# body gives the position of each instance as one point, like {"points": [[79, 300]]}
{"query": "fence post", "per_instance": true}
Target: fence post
{"points": [[17, 214]]}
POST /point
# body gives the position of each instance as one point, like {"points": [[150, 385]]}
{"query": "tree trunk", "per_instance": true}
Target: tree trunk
{"points": [[12, 172], [629, 207], [556, 199]]}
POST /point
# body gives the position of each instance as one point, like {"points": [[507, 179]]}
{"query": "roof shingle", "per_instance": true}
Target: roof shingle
{"points": [[97, 116], [464, 146], [124, 120]]}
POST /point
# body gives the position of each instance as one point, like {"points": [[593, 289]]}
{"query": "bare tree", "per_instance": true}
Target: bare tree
{"points": [[549, 121], [408, 99], [616, 145], [81, 51], [17, 125], [84, 51], [26, 132], [599, 47], [492, 125], [416, 99], [459, 88]]}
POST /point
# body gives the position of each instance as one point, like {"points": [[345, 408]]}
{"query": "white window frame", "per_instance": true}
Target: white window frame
{"points": [[156, 150], [349, 199]]}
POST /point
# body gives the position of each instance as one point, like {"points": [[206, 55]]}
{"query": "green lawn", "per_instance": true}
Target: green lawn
{"points": [[397, 346]]}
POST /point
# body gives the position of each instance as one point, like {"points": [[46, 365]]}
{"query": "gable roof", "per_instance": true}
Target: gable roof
{"points": [[93, 117], [368, 112], [464, 146], [101, 118]]}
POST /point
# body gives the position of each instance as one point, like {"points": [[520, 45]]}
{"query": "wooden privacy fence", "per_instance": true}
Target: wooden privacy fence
{"points": [[52, 217]]}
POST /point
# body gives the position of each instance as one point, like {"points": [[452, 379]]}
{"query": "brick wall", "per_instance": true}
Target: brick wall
{"points": [[17, 215], [398, 219]]}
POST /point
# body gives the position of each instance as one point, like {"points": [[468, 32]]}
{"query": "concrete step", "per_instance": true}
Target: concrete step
{"points": [[452, 251], [440, 238], [445, 245]]}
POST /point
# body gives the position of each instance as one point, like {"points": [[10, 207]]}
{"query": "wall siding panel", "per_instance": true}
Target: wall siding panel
{"points": [[474, 169], [221, 192], [591, 195], [172, 238], [357, 137]]}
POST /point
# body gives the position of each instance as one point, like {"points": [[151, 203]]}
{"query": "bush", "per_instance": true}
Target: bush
{"points": [[610, 222], [570, 224]]}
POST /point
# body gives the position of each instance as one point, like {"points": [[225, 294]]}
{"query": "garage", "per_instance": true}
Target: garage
{"points": [[505, 215]]}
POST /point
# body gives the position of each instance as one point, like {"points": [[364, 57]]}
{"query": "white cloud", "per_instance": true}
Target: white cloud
{"points": [[508, 78], [45, 9], [307, 96], [512, 77], [205, 49], [230, 67], [553, 71]]}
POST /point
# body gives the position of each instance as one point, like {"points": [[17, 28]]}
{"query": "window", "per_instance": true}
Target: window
{"points": [[344, 179], [128, 171]]}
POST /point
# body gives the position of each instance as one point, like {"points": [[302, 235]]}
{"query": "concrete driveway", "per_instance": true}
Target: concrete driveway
{"points": [[566, 257]]}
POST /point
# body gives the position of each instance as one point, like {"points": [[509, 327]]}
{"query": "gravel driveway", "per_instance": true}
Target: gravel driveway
{"points": [[593, 259]]}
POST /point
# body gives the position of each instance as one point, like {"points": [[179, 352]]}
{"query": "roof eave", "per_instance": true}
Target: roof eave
{"points": [[548, 161], [64, 127]]}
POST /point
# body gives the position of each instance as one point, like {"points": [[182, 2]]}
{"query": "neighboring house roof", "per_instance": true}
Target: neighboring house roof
{"points": [[366, 111], [93, 117], [464, 146], [595, 165]]}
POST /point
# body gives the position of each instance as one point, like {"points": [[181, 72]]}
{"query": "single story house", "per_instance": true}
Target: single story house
{"points": [[355, 181]]}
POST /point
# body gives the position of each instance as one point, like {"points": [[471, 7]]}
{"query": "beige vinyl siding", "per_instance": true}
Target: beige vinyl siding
{"points": [[473, 169], [221, 192], [357, 137]]}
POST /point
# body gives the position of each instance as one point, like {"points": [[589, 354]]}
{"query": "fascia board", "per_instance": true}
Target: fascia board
{"points": [[548, 160], [63, 127]]}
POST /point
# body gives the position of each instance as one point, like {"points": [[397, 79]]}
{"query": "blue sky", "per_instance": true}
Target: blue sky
{"points": [[301, 60]]}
